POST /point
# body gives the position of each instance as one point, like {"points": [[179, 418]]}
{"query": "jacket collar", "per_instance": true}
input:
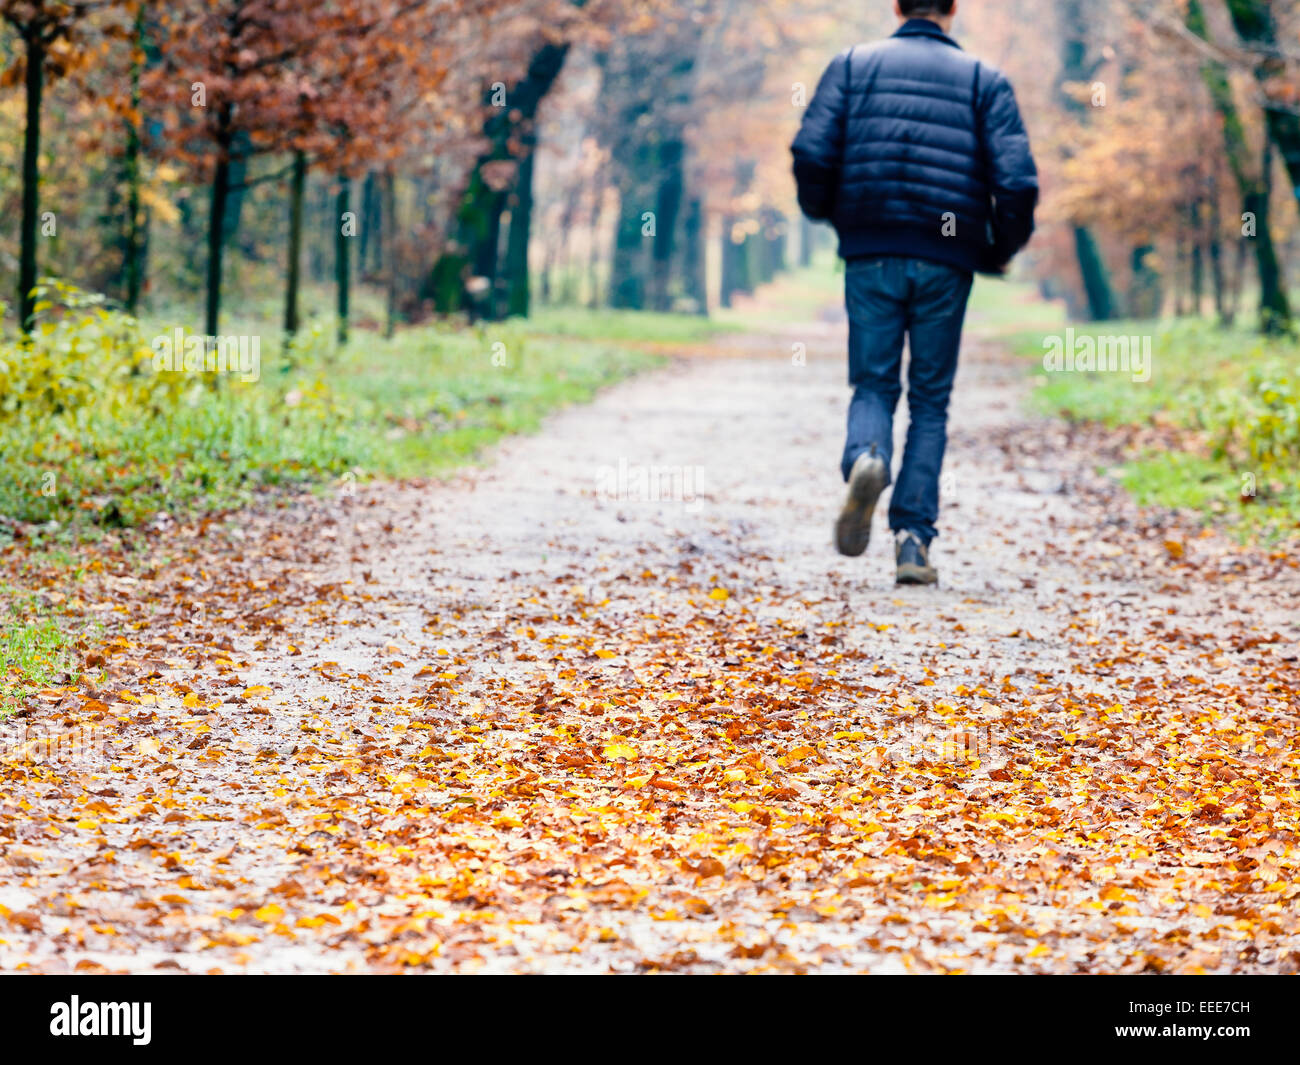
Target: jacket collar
{"points": [[923, 27]]}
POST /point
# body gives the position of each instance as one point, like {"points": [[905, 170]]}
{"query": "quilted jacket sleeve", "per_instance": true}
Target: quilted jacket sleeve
{"points": [[819, 147], [1012, 175]]}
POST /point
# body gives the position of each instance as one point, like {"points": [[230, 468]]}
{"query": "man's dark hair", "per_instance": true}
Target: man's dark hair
{"points": [[925, 7]]}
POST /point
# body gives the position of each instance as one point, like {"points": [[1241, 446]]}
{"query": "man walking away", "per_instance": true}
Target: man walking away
{"points": [[916, 153]]}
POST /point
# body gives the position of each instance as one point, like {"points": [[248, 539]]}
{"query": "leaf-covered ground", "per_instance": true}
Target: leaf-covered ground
{"points": [[509, 723]]}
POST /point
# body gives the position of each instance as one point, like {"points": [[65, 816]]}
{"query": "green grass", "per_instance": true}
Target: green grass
{"points": [[638, 327], [799, 295], [34, 650], [442, 396], [1229, 397], [1194, 482], [1003, 306], [94, 445]]}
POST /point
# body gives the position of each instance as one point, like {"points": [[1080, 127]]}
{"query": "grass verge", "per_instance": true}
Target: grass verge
{"points": [[34, 649], [94, 437], [1215, 429]]}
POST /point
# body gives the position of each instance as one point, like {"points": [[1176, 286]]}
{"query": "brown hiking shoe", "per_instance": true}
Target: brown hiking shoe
{"points": [[866, 482]]}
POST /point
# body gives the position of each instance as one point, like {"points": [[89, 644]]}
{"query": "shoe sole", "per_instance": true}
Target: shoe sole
{"points": [[917, 575], [853, 528]]}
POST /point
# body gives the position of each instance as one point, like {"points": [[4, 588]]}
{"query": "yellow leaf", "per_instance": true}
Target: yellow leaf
{"points": [[620, 750], [317, 921]]}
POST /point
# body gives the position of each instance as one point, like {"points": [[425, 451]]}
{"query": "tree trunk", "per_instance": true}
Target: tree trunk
{"points": [[756, 263], [369, 230], [1238, 280], [764, 257], [478, 232], [388, 212], [593, 252], [628, 266], [31, 182], [1076, 68], [774, 236], [668, 205], [297, 192], [1096, 278], [216, 232], [635, 170], [1217, 279], [566, 291], [1254, 181], [319, 245], [547, 294], [133, 255], [1254, 23], [733, 263], [1274, 305], [1147, 291], [649, 81], [1196, 235], [1182, 276], [342, 256], [695, 278], [1214, 244], [521, 222]]}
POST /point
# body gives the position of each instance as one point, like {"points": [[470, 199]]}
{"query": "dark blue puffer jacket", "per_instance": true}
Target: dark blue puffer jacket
{"points": [[913, 147]]}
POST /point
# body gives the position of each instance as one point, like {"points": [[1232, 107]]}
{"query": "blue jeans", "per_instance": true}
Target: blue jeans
{"points": [[889, 298]]}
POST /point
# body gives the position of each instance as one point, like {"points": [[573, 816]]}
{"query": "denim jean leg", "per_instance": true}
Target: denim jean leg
{"points": [[938, 311], [875, 293]]}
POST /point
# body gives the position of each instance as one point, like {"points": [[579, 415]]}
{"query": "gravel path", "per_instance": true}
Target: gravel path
{"points": [[532, 720]]}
